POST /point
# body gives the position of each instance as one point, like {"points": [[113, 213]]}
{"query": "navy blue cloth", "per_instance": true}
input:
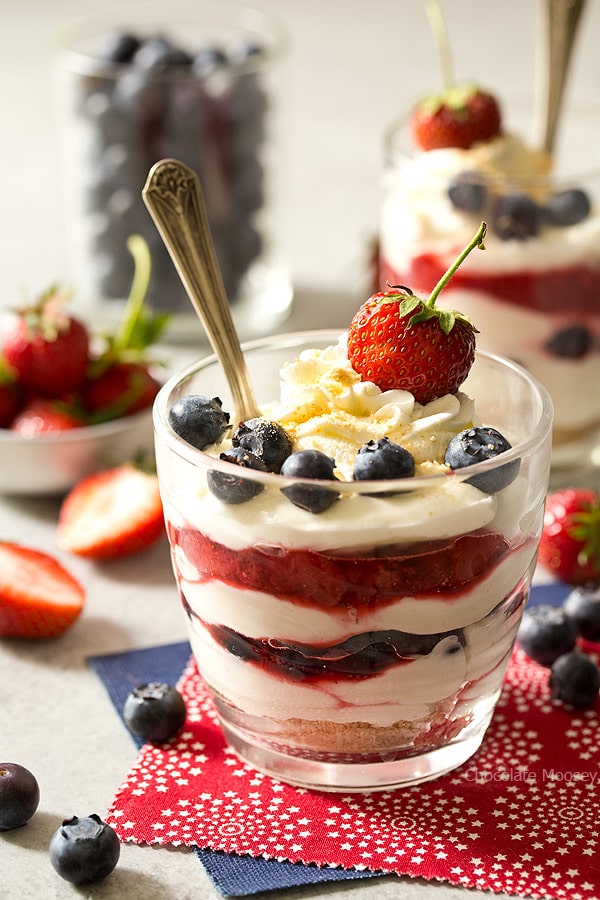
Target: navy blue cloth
{"points": [[231, 875]]}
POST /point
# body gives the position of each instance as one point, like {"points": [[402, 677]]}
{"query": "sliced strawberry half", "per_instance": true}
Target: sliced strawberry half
{"points": [[39, 598], [111, 513]]}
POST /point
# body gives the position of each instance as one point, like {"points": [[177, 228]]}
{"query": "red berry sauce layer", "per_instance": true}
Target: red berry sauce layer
{"points": [[575, 289], [378, 576]]}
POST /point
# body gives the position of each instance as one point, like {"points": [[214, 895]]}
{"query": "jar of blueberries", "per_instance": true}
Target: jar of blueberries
{"points": [[203, 83]]}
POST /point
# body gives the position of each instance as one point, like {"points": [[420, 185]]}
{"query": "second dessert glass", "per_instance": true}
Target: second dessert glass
{"points": [[364, 647], [534, 294]]}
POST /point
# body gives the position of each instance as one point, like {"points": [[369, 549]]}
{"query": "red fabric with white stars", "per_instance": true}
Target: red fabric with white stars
{"points": [[521, 816]]}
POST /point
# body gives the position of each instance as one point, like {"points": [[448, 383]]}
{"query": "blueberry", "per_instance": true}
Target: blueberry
{"points": [[119, 47], [207, 60], [233, 489], [310, 464], [582, 607], [574, 679], [567, 207], [84, 849], [515, 216], [154, 711], [199, 420], [383, 459], [265, 439], [475, 445], [467, 191], [571, 342], [157, 54], [546, 633], [19, 795]]}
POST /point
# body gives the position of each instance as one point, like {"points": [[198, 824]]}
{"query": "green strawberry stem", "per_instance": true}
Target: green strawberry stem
{"points": [[140, 251], [440, 36], [478, 241]]}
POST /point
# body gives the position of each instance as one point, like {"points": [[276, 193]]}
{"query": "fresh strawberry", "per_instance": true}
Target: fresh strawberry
{"points": [[120, 389], [400, 341], [111, 513], [47, 348], [459, 117], [39, 598], [570, 542], [42, 416]]}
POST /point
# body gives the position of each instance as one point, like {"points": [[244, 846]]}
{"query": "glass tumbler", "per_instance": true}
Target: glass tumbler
{"points": [[363, 647], [534, 293], [203, 83]]}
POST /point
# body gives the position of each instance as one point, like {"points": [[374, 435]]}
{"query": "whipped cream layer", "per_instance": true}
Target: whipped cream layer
{"points": [[325, 406], [418, 217]]}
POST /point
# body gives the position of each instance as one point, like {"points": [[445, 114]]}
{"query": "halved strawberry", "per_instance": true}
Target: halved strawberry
{"points": [[402, 342], [111, 513], [39, 598], [460, 117]]}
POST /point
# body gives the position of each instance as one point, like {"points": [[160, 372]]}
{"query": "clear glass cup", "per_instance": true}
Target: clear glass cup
{"points": [[218, 106], [363, 647], [534, 294]]}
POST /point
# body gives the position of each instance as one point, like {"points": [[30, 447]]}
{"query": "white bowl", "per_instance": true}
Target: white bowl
{"points": [[52, 464]]}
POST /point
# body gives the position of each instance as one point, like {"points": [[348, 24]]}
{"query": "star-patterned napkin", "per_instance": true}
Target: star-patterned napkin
{"points": [[518, 817]]}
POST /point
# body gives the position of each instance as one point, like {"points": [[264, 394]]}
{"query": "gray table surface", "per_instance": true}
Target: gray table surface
{"points": [[354, 66]]}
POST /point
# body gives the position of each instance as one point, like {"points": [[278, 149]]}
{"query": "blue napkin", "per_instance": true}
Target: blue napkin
{"points": [[231, 875]]}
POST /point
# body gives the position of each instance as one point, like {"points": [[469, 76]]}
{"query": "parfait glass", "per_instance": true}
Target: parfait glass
{"points": [[534, 294], [363, 647]]}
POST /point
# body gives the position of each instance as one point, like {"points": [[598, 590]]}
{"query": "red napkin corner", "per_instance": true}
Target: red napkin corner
{"points": [[519, 817]]}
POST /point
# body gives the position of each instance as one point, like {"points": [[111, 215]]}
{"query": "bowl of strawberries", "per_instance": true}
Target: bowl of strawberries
{"points": [[71, 401]]}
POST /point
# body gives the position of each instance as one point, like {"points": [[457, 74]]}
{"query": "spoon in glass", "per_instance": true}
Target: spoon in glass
{"points": [[562, 18], [173, 196]]}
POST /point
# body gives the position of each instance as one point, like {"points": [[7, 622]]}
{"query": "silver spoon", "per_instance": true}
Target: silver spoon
{"points": [[562, 18], [173, 196]]}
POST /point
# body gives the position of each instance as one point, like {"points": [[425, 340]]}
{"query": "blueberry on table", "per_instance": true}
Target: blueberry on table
{"points": [[582, 607], [265, 439], [84, 850], [575, 679], [19, 795], [568, 207], [310, 464], [382, 460], [154, 711], [231, 488], [515, 216], [199, 420], [546, 633], [474, 445]]}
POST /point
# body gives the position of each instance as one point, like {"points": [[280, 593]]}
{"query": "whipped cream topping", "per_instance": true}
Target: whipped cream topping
{"points": [[325, 405], [417, 216]]}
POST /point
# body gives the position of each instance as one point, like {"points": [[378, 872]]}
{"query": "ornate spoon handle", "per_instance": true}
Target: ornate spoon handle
{"points": [[562, 18], [174, 199]]}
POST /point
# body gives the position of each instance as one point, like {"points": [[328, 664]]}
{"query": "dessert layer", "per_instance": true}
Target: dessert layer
{"points": [[266, 613]]}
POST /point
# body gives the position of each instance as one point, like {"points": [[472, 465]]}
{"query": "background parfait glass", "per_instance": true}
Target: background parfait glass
{"points": [[363, 647], [534, 294], [200, 82]]}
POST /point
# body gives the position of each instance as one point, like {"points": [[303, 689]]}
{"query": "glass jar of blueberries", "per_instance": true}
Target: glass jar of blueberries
{"points": [[203, 83]]}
